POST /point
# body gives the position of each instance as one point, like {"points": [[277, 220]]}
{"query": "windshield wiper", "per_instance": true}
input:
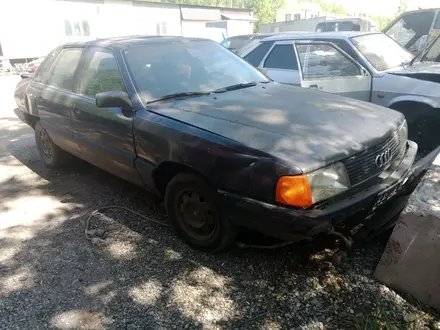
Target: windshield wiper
{"points": [[178, 95], [235, 87], [410, 63], [427, 47]]}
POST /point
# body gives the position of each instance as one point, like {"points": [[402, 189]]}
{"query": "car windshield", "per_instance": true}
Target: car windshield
{"points": [[412, 29], [188, 66], [433, 52], [381, 51]]}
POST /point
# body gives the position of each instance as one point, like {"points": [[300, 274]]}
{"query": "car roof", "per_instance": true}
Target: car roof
{"points": [[241, 36], [316, 35], [130, 41]]}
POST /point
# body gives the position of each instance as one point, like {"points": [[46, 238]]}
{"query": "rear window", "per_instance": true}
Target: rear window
{"points": [[43, 70], [256, 56], [63, 69]]}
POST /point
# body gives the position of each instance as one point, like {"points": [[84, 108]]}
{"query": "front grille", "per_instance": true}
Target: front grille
{"points": [[362, 166]]}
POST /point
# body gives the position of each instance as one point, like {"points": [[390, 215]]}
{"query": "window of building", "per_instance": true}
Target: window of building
{"points": [[101, 75], [161, 28], [282, 57], [77, 28], [296, 17], [256, 56], [63, 70], [288, 17], [68, 28], [85, 28]]}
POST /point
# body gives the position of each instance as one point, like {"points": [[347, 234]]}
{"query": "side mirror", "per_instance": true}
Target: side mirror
{"points": [[26, 75], [113, 99]]}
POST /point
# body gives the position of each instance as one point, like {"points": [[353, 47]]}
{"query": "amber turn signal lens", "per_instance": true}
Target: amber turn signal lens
{"points": [[294, 190]]}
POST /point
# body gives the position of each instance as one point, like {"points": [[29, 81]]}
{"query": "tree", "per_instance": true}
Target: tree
{"points": [[381, 21], [264, 10], [330, 6]]}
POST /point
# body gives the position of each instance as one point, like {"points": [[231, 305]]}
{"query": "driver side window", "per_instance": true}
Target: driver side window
{"points": [[101, 74]]}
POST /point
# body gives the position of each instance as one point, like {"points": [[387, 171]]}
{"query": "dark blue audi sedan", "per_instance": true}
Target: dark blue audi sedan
{"points": [[225, 147]]}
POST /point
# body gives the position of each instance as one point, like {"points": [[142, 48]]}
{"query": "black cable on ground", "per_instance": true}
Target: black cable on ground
{"points": [[238, 244]]}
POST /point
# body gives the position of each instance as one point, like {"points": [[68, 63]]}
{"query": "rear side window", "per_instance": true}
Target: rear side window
{"points": [[62, 72], [101, 74], [43, 70], [256, 56], [282, 57]]}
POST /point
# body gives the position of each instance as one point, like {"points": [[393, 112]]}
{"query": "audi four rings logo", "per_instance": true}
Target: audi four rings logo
{"points": [[384, 158]]}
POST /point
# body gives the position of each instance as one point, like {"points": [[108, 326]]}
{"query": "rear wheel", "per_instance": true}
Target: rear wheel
{"points": [[195, 212], [51, 155]]}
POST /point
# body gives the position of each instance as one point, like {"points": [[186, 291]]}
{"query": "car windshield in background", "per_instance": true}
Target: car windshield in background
{"points": [[337, 26], [411, 29], [381, 51], [197, 66]]}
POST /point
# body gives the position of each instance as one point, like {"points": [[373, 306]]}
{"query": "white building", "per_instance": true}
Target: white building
{"points": [[293, 10], [33, 27]]}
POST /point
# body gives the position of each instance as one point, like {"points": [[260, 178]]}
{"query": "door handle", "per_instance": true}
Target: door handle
{"points": [[314, 86], [76, 110]]}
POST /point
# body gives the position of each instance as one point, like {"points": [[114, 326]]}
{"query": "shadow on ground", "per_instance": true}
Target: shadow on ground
{"points": [[141, 276]]}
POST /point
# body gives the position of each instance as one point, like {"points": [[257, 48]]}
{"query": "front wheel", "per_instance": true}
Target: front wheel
{"points": [[51, 155], [195, 212]]}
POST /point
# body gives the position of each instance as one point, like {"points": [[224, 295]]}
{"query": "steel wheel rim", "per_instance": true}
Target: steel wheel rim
{"points": [[46, 146], [196, 214]]}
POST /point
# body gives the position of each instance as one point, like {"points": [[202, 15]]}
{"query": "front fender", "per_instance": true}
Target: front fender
{"points": [[415, 98]]}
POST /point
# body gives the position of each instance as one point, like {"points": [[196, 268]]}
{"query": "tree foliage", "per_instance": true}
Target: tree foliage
{"points": [[264, 10], [382, 21], [330, 6]]}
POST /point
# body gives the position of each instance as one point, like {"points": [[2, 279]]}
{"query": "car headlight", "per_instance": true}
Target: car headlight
{"points": [[305, 190]]}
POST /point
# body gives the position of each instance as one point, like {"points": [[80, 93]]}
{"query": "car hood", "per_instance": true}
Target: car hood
{"points": [[418, 67], [304, 128]]}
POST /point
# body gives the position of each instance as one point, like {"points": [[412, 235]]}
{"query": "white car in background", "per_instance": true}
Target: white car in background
{"points": [[367, 66]]}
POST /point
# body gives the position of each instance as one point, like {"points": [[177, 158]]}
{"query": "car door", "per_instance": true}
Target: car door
{"points": [[105, 135], [51, 97], [327, 68], [281, 63]]}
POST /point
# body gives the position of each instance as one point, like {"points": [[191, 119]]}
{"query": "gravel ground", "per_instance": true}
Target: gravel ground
{"points": [[140, 276]]}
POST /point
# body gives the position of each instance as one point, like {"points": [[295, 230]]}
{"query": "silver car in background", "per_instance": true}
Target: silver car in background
{"points": [[367, 66]]}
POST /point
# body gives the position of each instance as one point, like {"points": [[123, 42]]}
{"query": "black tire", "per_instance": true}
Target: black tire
{"points": [[192, 205], [51, 155], [423, 122]]}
